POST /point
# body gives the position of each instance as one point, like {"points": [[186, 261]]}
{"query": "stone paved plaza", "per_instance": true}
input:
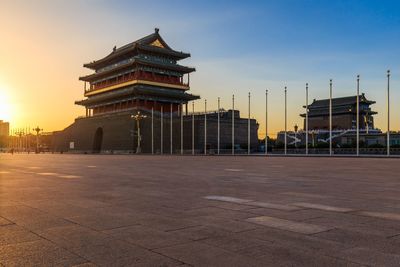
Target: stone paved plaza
{"points": [[98, 210]]}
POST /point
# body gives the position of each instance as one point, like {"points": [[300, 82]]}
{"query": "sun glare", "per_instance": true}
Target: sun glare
{"points": [[5, 104]]}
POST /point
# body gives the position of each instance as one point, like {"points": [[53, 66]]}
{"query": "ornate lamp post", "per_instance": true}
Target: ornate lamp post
{"points": [[19, 133], [138, 117], [37, 130]]}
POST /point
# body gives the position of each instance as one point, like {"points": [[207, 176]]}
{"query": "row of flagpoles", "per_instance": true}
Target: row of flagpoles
{"points": [[330, 117], [266, 123], [20, 139]]}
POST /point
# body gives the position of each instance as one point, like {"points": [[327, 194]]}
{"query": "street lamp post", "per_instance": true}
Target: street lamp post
{"points": [[37, 130], [138, 117]]}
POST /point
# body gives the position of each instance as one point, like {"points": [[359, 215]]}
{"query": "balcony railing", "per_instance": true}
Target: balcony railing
{"points": [[138, 76]]}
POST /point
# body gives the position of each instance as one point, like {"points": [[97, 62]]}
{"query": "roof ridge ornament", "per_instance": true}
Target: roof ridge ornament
{"points": [[156, 30]]}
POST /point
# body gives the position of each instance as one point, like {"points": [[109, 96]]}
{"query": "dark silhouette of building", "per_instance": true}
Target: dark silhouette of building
{"points": [[344, 113], [144, 76], [4, 128], [4, 133]]}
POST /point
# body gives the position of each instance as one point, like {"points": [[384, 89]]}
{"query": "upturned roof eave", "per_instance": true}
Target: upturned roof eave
{"points": [[139, 90], [178, 68], [140, 43], [310, 114]]}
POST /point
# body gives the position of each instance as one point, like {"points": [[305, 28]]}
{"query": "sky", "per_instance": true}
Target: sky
{"points": [[237, 47]]}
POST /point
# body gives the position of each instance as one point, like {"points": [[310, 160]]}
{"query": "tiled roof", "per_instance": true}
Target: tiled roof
{"points": [[339, 101], [143, 43]]}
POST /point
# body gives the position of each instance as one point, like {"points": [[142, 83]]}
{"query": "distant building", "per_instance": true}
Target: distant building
{"points": [[344, 113], [144, 76], [4, 128], [4, 133], [371, 139], [344, 124]]}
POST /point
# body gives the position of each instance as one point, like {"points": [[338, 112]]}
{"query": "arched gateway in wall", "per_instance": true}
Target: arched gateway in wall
{"points": [[98, 140]]}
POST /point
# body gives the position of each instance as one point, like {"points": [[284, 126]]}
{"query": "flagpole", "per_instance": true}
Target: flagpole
{"points": [[233, 124], [248, 130], [358, 116], [330, 117], [285, 120], [306, 119], [218, 142], [193, 128], [170, 127], [152, 130], [205, 126], [388, 114], [181, 112], [29, 138], [161, 131], [266, 122]]}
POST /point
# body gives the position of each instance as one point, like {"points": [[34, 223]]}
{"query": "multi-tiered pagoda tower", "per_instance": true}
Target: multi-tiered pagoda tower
{"points": [[144, 74], [144, 78]]}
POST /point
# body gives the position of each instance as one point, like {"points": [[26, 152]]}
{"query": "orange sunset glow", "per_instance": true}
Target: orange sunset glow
{"points": [[199, 133], [43, 47]]}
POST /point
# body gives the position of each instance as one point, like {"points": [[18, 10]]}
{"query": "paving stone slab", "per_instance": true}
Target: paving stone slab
{"points": [[200, 232], [273, 206], [231, 206], [166, 195], [228, 199], [380, 215], [233, 242], [35, 252], [371, 257], [198, 254], [226, 224], [104, 222], [219, 213], [293, 226], [74, 236], [322, 207], [356, 239], [12, 234], [296, 240], [147, 237]]}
